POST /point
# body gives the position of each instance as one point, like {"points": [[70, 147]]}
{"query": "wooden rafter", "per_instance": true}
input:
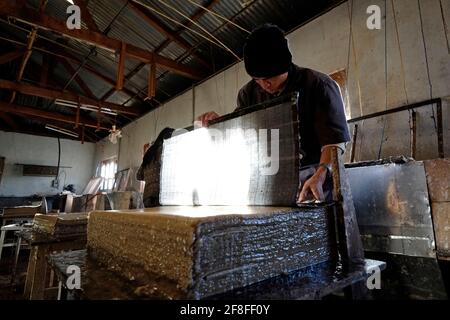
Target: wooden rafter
{"points": [[68, 96], [11, 56], [56, 51], [152, 81], [156, 23], [49, 23], [25, 58], [121, 66], [60, 54], [42, 114], [197, 15], [87, 17]]}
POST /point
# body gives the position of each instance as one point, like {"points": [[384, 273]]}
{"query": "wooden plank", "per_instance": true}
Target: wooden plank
{"points": [[350, 243], [152, 81], [30, 272], [46, 22], [438, 179], [40, 271], [441, 222], [65, 95], [121, 66]]}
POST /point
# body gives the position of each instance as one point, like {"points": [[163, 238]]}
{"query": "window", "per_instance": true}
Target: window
{"points": [[108, 169]]}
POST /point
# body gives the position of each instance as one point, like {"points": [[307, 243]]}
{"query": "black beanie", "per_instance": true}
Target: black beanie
{"points": [[266, 52]]}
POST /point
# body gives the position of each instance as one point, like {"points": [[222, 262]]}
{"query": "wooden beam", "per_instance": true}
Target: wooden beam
{"points": [[156, 23], [86, 15], [152, 81], [26, 56], [56, 51], [42, 114], [46, 22], [68, 96], [121, 66], [60, 54], [11, 56]]}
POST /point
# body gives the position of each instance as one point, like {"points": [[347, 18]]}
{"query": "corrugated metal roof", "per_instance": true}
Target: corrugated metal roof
{"points": [[116, 19]]}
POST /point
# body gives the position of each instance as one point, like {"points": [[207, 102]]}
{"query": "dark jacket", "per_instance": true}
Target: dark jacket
{"points": [[321, 109]]}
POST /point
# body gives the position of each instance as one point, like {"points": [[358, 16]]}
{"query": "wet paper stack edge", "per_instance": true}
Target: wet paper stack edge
{"points": [[198, 252], [61, 226]]}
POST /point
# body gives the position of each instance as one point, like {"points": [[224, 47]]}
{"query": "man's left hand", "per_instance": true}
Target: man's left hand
{"points": [[313, 186]]}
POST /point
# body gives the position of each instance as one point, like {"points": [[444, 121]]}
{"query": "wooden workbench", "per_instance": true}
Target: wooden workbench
{"points": [[99, 283], [41, 246]]}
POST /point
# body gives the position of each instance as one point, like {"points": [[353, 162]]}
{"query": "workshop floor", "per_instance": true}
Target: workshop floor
{"points": [[14, 291]]}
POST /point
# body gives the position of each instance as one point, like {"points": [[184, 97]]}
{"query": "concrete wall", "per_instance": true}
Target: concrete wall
{"points": [[28, 149], [417, 60]]}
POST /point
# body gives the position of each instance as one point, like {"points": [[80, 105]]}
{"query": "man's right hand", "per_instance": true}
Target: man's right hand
{"points": [[206, 117]]}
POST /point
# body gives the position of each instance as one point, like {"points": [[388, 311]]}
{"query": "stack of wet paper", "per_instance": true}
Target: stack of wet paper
{"points": [[61, 226], [194, 252]]}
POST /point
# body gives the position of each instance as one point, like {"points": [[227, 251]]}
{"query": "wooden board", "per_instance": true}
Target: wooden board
{"points": [[441, 221], [438, 179]]}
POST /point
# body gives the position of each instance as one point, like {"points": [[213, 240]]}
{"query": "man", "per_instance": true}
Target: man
{"points": [[323, 124]]}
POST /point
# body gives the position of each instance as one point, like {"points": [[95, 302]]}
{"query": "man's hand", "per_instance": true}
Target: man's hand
{"points": [[313, 186], [206, 117]]}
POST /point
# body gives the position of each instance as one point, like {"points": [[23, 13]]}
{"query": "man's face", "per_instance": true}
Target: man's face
{"points": [[273, 84]]}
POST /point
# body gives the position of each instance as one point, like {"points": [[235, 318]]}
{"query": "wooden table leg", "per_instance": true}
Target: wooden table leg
{"points": [[30, 272], [40, 273]]}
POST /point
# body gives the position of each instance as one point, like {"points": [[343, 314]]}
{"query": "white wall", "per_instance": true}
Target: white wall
{"points": [[29, 149], [323, 44]]}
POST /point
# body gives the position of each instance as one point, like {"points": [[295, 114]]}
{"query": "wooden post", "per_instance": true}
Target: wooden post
{"points": [[355, 136], [152, 81], [413, 134], [440, 134], [349, 239], [121, 67], [350, 244]]}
